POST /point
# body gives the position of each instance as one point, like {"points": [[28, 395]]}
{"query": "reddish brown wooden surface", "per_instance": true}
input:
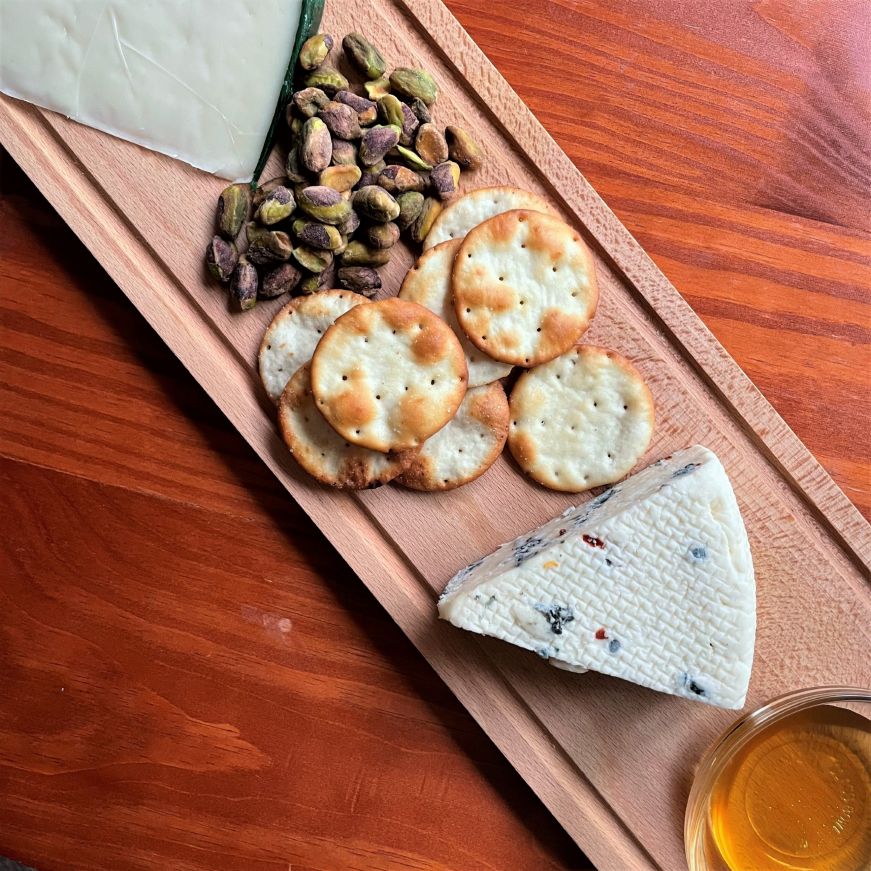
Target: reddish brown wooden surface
{"points": [[190, 677]]}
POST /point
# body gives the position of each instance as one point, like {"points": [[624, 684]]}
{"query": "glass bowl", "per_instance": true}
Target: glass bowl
{"points": [[702, 851]]}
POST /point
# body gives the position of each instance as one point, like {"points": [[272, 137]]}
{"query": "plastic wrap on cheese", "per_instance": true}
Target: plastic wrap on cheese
{"points": [[196, 80], [651, 582]]}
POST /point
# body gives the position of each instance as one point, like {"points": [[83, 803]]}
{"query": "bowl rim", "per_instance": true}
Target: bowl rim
{"points": [[732, 739]]}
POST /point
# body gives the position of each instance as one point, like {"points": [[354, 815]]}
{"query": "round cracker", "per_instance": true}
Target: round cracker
{"points": [[466, 446], [476, 207], [581, 420], [389, 375], [524, 287], [428, 283], [293, 335], [321, 451]]}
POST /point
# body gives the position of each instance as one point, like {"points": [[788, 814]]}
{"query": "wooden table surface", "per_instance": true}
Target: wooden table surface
{"points": [[190, 677]]}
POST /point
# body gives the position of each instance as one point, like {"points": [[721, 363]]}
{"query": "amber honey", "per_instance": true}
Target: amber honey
{"points": [[797, 795]]}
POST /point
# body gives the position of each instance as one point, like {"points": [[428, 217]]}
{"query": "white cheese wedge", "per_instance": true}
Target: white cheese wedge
{"points": [[189, 78], [651, 582]]}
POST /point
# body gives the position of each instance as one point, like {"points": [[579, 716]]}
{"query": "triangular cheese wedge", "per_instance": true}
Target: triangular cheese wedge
{"points": [[652, 582]]}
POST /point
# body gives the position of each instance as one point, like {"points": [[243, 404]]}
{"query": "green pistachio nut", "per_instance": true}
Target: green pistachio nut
{"points": [[315, 281], [360, 279], [312, 259], [267, 246], [327, 78], [377, 141], [423, 224], [341, 120], [324, 204], [421, 111], [342, 246], [344, 153], [410, 205], [316, 145], [234, 209], [358, 254], [431, 145], [340, 178], [390, 110], [445, 180], [462, 149], [382, 236], [282, 279], [324, 237], [367, 110], [267, 188], [277, 206], [310, 283], [412, 158], [244, 284], [293, 167], [376, 89], [374, 203], [309, 101], [410, 125], [414, 83], [365, 57], [396, 179], [221, 258], [314, 51]]}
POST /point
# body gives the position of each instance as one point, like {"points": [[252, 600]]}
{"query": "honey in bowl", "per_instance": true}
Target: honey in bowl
{"points": [[798, 796]]}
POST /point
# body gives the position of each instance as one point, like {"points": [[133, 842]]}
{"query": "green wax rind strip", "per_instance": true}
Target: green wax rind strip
{"points": [[309, 21]]}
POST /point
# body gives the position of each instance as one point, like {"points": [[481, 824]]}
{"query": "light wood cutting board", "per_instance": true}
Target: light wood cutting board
{"points": [[612, 761]]}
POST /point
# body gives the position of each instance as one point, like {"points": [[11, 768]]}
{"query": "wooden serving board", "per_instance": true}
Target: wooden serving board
{"points": [[612, 761]]}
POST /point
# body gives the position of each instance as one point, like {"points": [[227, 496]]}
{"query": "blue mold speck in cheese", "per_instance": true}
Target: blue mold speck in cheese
{"points": [[693, 686], [697, 553], [556, 615], [526, 548], [600, 500]]}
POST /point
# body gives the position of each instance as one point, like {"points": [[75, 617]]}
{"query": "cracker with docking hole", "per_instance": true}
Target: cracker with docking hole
{"points": [[581, 420], [428, 283], [388, 375], [524, 287], [476, 207], [321, 451], [291, 338], [465, 447]]}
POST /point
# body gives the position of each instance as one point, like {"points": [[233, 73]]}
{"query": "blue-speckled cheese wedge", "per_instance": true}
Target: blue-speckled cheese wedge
{"points": [[651, 582]]}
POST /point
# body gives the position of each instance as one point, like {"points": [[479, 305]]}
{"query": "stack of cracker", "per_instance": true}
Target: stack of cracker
{"points": [[408, 388]]}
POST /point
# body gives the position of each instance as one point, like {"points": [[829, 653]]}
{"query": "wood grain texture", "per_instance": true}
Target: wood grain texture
{"points": [[63, 410]]}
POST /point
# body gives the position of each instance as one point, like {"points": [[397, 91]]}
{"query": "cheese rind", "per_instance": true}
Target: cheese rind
{"points": [[185, 79], [651, 582]]}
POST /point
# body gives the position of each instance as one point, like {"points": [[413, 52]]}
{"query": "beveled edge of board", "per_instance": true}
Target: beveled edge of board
{"points": [[686, 331], [479, 685]]}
